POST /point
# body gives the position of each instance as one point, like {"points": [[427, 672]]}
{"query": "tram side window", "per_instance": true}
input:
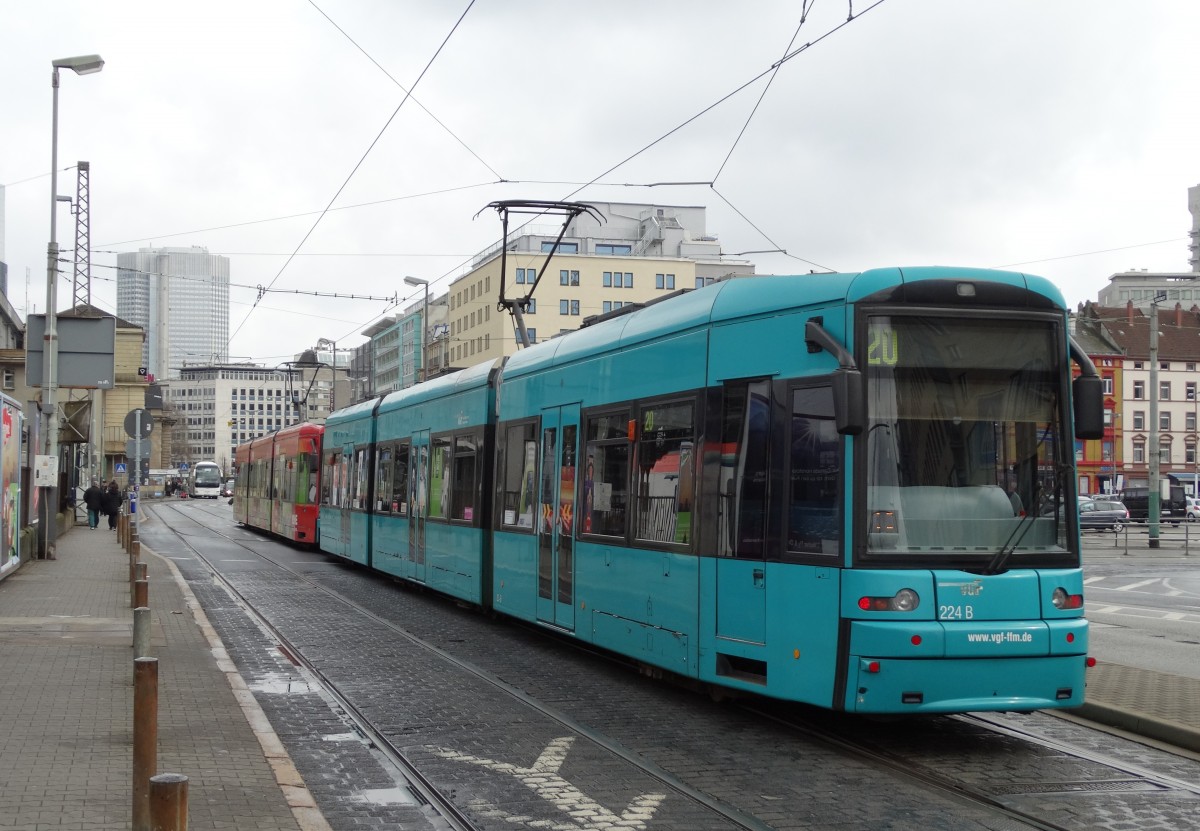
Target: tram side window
{"points": [[358, 480], [285, 466], [814, 503], [605, 497], [439, 479], [665, 458], [400, 481], [329, 479], [307, 476], [519, 473], [463, 486], [743, 477], [383, 479]]}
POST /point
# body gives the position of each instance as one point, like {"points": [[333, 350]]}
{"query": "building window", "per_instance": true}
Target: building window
{"points": [[1190, 453], [1108, 385], [1164, 451], [667, 281], [620, 250], [1164, 390], [1139, 452], [1138, 365], [606, 279], [1139, 419], [1189, 422], [564, 307], [564, 277], [563, 247], [575, 307], [1164, 421], [1139, 390], [1164, 365], [1190, 391], [1106, 451]]}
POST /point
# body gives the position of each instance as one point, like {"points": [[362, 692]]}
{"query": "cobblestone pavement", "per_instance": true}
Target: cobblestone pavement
{"points": [[478, 744]]}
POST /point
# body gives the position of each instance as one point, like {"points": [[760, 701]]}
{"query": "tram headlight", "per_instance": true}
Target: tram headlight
{"points": [[905, 600], [1062, 600]]}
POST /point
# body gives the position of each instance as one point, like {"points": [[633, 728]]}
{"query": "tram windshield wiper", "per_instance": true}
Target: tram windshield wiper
{"points": [[1000, 561]]}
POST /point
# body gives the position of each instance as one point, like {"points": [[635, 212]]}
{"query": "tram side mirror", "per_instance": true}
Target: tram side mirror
{"points": [[849, 402], [1088, 394]]}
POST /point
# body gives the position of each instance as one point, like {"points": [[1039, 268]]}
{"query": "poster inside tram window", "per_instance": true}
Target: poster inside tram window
{"points": [[10, 479]]}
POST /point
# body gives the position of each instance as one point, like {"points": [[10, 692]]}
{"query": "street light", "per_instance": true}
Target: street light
{"points": [[417, 281], [80, 65]]}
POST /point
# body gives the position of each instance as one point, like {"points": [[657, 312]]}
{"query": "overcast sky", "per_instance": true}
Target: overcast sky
{"points": [[1057, 137]]}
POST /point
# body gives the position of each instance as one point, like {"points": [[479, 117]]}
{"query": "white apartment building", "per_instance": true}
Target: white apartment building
{"points": [[639, 252], [220, 406], [180, 297]]}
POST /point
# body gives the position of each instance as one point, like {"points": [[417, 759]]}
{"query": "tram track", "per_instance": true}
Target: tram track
{"points": [[1003, 802], [423, 787]]}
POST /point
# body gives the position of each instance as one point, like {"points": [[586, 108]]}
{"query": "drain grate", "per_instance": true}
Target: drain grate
{"points": [[1106, 785]]}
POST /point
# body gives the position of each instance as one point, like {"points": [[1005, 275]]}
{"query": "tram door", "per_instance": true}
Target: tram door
{"points": [[556, 520], [418, 500], [741, 565]]}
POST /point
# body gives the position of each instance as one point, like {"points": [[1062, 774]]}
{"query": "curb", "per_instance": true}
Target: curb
{"points": [[1141, 724], [299, 799]]}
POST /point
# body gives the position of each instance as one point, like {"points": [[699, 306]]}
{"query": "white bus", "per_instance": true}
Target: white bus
{"points": [[205, 481]]}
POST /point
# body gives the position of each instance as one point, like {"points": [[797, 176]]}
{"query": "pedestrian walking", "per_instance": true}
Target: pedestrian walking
{"points": [[112, 504], [93, 498]]}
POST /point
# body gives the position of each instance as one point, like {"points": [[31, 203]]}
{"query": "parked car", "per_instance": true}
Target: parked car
{"points": [[1193, 509], [227, 487], [1171, 508], [1102, 515]]}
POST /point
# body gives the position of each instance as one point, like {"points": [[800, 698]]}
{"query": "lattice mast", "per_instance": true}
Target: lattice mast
{"points": [[83, 241]]}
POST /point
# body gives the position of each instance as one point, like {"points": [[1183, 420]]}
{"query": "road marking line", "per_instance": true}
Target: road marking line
{"points": [[1133, 586]]}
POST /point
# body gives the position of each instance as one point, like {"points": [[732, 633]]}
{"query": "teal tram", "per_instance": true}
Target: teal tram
{"points": [[848, 490]]}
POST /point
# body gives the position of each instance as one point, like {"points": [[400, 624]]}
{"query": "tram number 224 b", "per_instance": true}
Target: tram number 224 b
{"points": [[948, 612]]}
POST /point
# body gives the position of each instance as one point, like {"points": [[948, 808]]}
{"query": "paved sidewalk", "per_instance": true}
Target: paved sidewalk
{"points": [[1152, 704], [66, 702]]}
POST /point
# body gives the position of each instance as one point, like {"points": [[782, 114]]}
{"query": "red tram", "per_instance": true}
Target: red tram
{"points": [[278, 482]]}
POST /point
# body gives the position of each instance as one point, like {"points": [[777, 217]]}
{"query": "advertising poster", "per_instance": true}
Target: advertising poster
{"points": [[10, 480]]}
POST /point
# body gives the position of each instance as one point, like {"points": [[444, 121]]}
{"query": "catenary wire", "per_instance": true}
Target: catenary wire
{"points": [[805, 8], [357, 165], [368, 56]]}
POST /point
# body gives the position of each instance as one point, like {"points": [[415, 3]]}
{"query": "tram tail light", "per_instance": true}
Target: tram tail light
{"points": [[1062, 600], [905, 600]]}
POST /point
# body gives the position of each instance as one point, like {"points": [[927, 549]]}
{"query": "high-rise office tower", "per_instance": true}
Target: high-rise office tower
{"points": [[180, 296]]}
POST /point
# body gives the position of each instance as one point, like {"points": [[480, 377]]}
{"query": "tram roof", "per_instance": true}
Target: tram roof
{"points": [[473, 377], [747, 297]]}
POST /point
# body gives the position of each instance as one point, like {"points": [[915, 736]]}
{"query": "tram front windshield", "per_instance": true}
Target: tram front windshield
{"points": [[965, 441]]}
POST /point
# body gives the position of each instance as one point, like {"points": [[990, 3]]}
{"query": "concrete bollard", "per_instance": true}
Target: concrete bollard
{"points": [[141, 593], [139, 573], [145, 737], [169, 802], [141, 632]]}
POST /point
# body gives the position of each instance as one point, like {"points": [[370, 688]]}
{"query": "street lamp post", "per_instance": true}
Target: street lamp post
{"points": [[80, 65], [417, 281]]}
